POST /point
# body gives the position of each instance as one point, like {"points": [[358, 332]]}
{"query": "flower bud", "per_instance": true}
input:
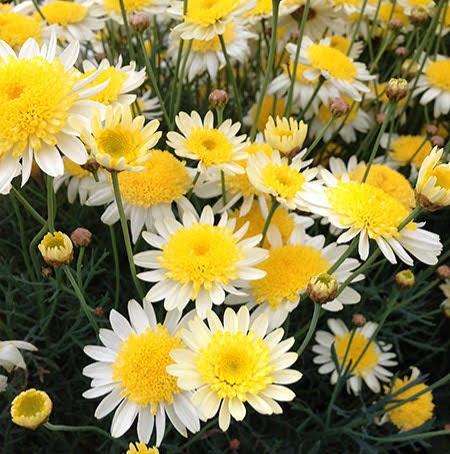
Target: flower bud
{"points": [[437, 141], [99, 311], [56, 249], [395, 24], [379, 117], [397, 89], [359, 320], [81, 237], [405, 279], [139, 22], [322, 288], [443, 271], [431, 129], [31, 409], [339, 107], [418, 16], [91, 165], [402, 51], [234, 444], [218, 99]]}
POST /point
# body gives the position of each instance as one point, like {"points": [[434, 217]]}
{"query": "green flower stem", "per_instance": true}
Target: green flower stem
{"points": [[320, 135], [62, 428], [274, 206], [224, 189], [311, 329], [269, 70], [51, 207], [290, 96], [38, 9], [413, 215], [33, 248], [115, 251], [357, 27], [310, 101], [127, 29], [351, 248], [80, 265], [151, 75], [232, 79], [180, 82], [84, 305], [390, 111], [27, 206], [126, 233]]}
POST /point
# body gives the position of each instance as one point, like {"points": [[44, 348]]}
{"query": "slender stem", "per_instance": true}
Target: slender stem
{"points": [[180, 81], [352, 246], [115, 251], [126, 233], [269, 70], [320, 135], [232, 79], [224, 189], [311, 329], [272, 210], [311, 99], [38, 9], [80, 265], [127, 29], [27, 206], [84, 305], [33, 246], [62, 428], [414, 213], [357, 27], [51, 209], [194, 182]]}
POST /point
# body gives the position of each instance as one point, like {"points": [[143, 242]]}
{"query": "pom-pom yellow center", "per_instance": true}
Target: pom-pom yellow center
{"points": [[112, 90], [333, 61], [438, 73], [210, 145], [16, 28], [209, 12], [63, 13], [282, 179]]}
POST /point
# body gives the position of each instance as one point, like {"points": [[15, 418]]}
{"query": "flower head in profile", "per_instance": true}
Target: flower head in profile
{"points": [[433, 182], [198, 260], [289, 267], [357, 350], [10, 356], [285, 135], [287, 181], [120, 142], [56, 249], [36, 112], [233, 363], [31, 408], [407, 410], [130, 372], [214, 148], [16, 28]]}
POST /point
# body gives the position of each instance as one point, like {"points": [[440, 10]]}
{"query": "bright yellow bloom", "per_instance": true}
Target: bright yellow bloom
{"points": [[285, 135], [56, 249], [31, 408]]}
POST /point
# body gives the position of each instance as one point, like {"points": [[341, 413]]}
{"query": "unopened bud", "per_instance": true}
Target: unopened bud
{"points": [[395, 24], [234, 444], [359, 320], [218, 99], [91, 165], [379, 117], [46, 272], [295, 35], [405, 279], [56, 249], [443, 271], [397, 89], [402, 51], [99, 311], [437, 141], [418, 17], [339, 107], [81, 237], [322, 288], [139, 22], [431, 129]]}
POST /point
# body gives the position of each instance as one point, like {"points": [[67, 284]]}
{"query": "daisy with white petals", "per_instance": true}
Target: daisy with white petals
{"points": [[198, 260], [367, 365], [231, 363], [130, 372]]}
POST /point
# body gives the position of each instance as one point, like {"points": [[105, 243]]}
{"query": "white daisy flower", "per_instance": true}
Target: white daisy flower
{"points": [[412, 6], [130, 371], [149, 106], [289, 267], [351, 7], [233, 363], [36, 112], [369, 367], [198, 260], [214, 148], [10, 356]]}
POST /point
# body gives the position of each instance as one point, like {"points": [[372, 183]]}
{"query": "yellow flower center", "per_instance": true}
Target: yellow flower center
{"points": [[411, 414], [271, 106], [130, 5], [31, 408], [112, 90], [213, 45], [281, 219], [140, 367], [438, 73], [442, 174], [35, 96], [389, 180], [369, 359], [235, 364], [16, 28], [333, 61], [362, 206], [282, 179], [140, 448], [407, 148], [262, 8], [389, 12], [289, 69], [202, 255], [209, 12], [347, 2], [74, 169], [63, 12], [120, 141], [340, 42], [289, 269], [164, 180], [210, 145], [54, 240]]}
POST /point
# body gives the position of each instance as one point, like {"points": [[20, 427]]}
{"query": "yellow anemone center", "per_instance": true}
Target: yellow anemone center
{"points": [[271, 106], [119, 142], [410, 148], [16, 28], [411, 414], [63, 12], [163, 180], [235, 364], [362, 206], [54, 240], [282, 179], [113, 89], [438, 73], [213, 45], [35, 97], [389, 180], [333, 61], [74, 169], [210, 145], [442, 174], [130, 5], [354, 349], [140, 367], [289, 269], [202, 255], [209, 12]]}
